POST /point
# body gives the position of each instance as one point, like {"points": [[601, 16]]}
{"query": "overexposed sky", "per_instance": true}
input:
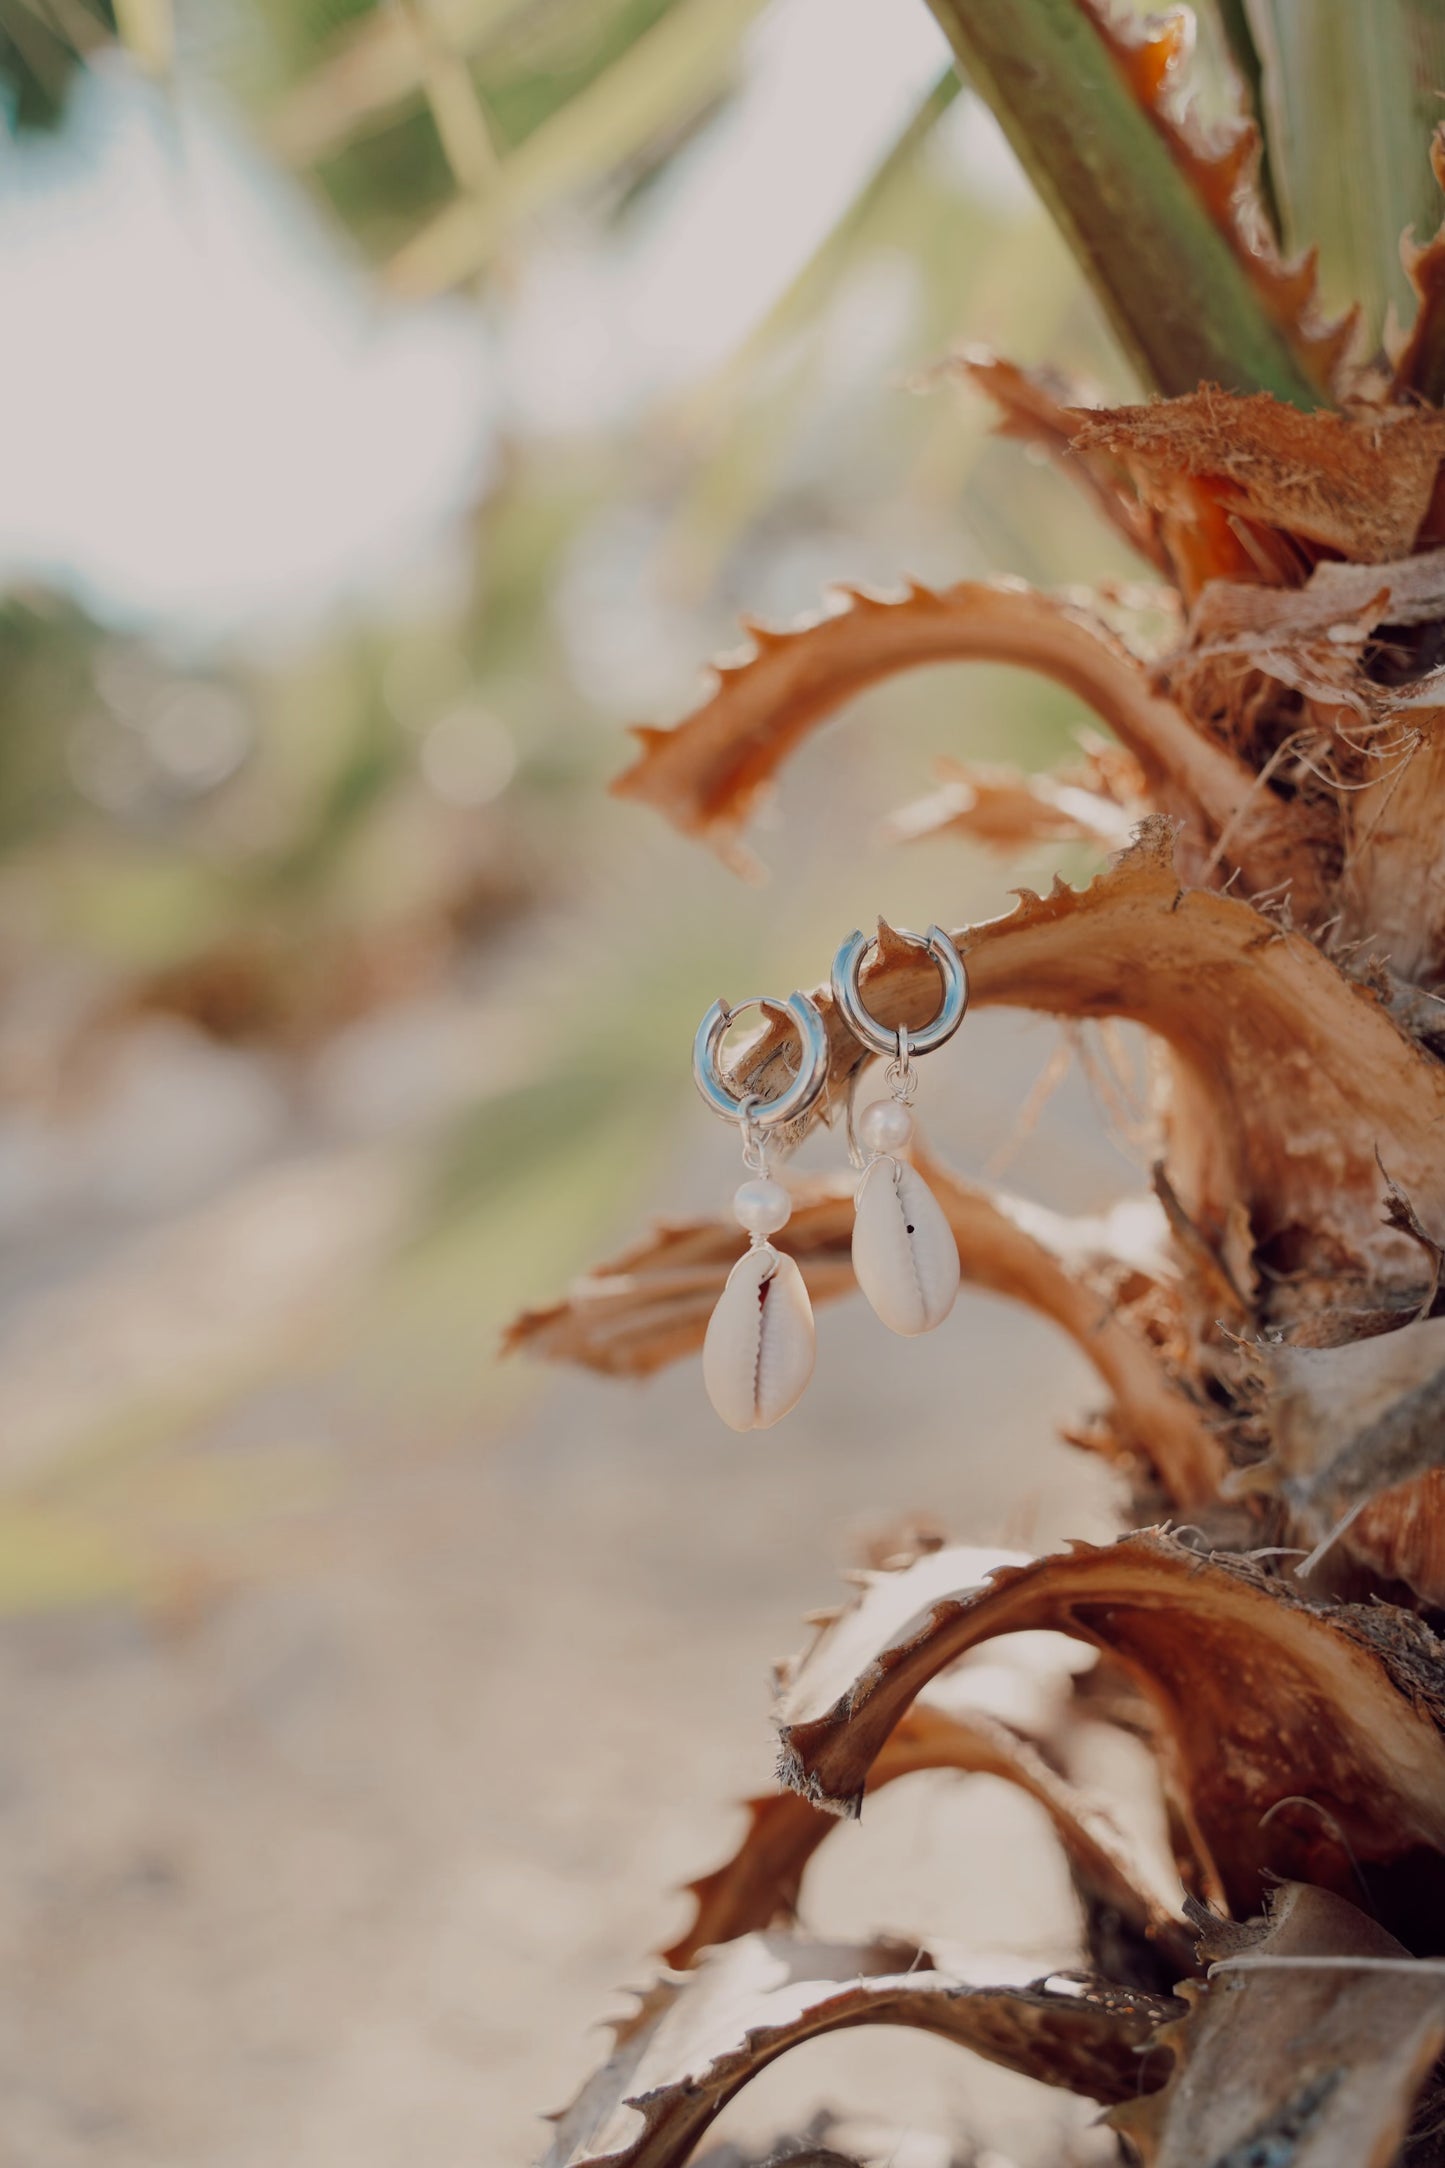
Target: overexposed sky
{"points": [[208, 416], [204, 415], [828, 87]]}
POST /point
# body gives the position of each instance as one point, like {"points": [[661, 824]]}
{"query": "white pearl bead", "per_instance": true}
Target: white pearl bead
{"points": [[885, 1126], [763, 1206]]}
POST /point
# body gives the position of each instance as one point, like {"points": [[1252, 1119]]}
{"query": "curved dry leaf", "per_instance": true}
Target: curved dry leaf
{"points": [[1010, 810], [1293, 1741], [1309, 2045], [700, 2037], [1358, 1437], [650, 1307], [888, 1598], [1040, 410], [706, 773], [1222, 168], [1288, 1077], [759, 1884], [1360, 483], [1420, 361], [1273, 1045]]}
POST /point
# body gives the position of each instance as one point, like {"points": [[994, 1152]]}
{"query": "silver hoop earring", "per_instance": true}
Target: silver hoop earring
{"points": [[905, 1257], [758, 1355]]}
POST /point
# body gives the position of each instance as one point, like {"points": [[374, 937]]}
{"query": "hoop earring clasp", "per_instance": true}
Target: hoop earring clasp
{"points": [[904, 1042], [755, 1113]]}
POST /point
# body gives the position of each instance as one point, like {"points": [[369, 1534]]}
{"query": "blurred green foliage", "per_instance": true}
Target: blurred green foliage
{"points": [[40, 49], [47, 653], [318, 890]]}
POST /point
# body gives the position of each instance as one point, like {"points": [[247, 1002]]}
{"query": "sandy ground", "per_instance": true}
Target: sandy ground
{"points": [[343, 1866]]}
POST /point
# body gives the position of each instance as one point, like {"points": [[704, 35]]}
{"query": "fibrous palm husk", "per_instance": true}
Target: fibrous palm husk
{"points": [[1309, 2043]]}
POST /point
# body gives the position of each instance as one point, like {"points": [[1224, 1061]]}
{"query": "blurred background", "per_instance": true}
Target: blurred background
{"points": [[395, 402]]}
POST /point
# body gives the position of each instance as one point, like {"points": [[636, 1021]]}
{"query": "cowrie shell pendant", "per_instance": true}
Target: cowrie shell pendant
{"points": [[905, 1257], [758, 1355], [758, 1352]]}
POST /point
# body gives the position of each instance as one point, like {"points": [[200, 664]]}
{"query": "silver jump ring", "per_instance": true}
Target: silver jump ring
{"points": [[848, 964], [755, 1140], [807, 1020]]}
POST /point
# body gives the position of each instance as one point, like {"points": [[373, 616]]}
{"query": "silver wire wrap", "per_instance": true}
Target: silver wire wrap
{"points": [[755, 1140]]}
